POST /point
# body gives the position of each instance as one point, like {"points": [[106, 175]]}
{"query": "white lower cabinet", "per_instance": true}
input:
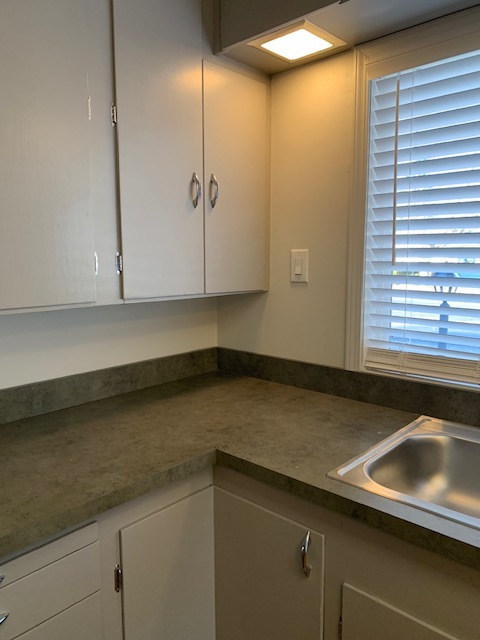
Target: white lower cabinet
{"points": [[168, 572], [243, 561], [365, 584], [49, 592], [163, 544], [366, 617], [269, 574], [83, 621]]}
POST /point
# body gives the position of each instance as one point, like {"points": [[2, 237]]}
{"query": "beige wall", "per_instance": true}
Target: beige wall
{"points": [[312, 164], [45, 345]]}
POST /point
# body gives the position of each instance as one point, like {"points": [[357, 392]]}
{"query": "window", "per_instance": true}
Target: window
{"points": [[422, 253]]}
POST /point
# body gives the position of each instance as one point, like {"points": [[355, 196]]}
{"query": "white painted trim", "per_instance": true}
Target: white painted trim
{"points": [[444, 32], [356, 225]]}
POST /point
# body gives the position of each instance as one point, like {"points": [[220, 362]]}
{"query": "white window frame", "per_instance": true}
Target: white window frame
{"points": [[440, 39]]}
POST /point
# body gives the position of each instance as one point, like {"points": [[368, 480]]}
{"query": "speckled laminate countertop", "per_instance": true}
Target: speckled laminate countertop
{"points": [[66, 467]]}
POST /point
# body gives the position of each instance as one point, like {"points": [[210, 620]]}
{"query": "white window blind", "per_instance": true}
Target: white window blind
{"points": [[422, 266]]}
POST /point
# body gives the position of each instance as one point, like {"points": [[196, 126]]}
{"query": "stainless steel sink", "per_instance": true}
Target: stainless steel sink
{"points": [[430, 464]]}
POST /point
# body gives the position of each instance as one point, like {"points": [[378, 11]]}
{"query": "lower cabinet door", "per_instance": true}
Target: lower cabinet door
{"points": [[263, 591], [82, 621], [168, 572], [365, 617]]}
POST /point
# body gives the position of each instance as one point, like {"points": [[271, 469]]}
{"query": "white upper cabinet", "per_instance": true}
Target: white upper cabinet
{"points": [[46, 232], [158, 49], [236, 180], [192, 157], [173, 131]]}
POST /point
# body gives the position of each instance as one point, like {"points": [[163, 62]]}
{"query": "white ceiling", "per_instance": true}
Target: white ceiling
{"points": [[356, 22]]}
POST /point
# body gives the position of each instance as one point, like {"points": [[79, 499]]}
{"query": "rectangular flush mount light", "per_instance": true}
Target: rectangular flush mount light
{"points": [[300, 40], [297, 44]]}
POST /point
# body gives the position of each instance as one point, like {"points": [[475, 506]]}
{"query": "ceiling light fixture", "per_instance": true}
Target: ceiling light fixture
{"points": [[297, 44], [298, 41]]}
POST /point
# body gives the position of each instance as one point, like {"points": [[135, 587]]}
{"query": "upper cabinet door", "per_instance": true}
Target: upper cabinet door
{"points": [[46, 231], [236, 180], [158, 68]]}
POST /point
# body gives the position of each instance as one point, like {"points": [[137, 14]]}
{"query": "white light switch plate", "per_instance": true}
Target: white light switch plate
{"points": [[299, 265]]}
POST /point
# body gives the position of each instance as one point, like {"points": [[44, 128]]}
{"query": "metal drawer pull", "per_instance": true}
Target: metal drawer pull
{"points": [[197, 190], [215, 188], [306, 568], [3, 617]]}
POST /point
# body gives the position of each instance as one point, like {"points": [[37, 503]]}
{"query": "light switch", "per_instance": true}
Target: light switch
{"points": [[299, 265]]}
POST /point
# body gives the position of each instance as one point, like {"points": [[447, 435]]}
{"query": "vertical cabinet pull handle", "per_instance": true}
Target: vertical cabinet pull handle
{"points": [[214, 188], [196, 190], [306, 568], [3, 617]]}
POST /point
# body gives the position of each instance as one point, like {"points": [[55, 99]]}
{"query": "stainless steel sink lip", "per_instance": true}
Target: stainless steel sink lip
{"points": [[355, 471]]}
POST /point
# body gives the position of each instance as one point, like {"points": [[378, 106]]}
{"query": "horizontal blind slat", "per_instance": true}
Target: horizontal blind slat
{"points": [[441, 209], [427, 152], [451, 240], [386, 281], [433, 122], [452, 67], [460, 99], [440, 255], [427, 196], [458, 279], [431, 167], [401, 306], [419, 139], [435, 297], [469, 178]]}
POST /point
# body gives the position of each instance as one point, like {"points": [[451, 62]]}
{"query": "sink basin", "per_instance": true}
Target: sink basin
{"points": [[431, 464]]}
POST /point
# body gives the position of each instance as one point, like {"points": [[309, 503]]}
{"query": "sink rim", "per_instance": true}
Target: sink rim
{"points": [[354, 472]]}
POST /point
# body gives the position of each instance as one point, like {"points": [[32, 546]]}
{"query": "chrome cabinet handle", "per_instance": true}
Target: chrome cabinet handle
{"points": [[3, 617], [215, 188], [306, 568], [197, 190]]}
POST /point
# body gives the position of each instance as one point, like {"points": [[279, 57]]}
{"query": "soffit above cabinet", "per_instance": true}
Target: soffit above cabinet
{"points": [[353, 21]]}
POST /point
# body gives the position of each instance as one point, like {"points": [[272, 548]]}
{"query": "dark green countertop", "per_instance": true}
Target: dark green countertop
{"points": [[66, 467]]}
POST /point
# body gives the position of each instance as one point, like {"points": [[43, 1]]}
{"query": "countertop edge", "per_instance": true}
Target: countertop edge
{"points": [[21, 541]]}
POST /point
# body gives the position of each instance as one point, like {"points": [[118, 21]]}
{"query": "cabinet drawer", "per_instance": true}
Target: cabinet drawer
{"points": [[83, 620], [46, 592], [28, 562], [80, 622]]}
